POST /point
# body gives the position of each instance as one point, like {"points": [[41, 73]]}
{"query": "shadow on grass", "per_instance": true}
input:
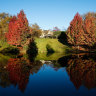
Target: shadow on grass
{"points": [[32, 50], [10, 50], [50, 50]]}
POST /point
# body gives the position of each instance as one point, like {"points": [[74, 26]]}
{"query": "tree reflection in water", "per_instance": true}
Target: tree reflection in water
{"points": [[80, 68], [17, 71]]}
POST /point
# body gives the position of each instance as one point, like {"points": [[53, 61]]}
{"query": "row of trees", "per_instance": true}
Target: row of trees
{"points": [[17, 31], [82, 30]]}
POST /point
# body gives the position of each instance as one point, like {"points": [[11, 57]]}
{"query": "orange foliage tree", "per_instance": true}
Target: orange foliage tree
{"points": [[75, 31], [82, 31], [90, 29]]}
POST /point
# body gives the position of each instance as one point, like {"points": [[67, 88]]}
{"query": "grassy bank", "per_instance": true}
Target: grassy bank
{"points": [[44, 45], [54, 44], [6, 48]]}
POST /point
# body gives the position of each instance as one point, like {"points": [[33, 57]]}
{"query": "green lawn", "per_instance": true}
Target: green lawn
{"points": [[54, 43]]}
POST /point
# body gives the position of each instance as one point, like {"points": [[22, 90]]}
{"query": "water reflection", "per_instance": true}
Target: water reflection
{"points": [[81, 69], [16, 71], [19, 72]]}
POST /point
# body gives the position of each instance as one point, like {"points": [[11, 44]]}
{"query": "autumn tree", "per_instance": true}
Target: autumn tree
{"points": [[90, 28], [23, 27], [75, 31], [82, 31], [35, 30], [13, 36], [18, 29]]}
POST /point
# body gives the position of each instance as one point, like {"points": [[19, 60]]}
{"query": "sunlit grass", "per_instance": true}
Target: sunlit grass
{"points": [[54, 43]]}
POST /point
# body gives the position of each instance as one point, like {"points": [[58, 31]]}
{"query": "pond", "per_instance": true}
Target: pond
{"points": [[69, 75]]}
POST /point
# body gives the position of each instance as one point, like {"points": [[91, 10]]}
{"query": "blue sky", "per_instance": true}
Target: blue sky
{"points": [[48, 13]]}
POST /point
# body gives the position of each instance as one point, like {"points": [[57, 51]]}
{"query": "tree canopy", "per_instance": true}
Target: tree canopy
{"points": [[82, 31], [4, 21], [18, 29], [35, 30]]}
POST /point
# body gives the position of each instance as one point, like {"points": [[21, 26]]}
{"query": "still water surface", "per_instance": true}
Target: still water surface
{"points": [[73, 75]]}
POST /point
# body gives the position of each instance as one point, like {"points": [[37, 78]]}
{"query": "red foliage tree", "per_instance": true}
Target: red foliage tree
{"points": [[90, 29], [75, 31], [13, 36], [23, 27], [18, 29]]}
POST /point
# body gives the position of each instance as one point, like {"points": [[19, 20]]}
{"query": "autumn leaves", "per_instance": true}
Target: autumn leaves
{"points": [[18, 29], [82, 30]]}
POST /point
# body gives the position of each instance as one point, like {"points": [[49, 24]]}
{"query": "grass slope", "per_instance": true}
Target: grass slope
{"points": [[54, 43]]}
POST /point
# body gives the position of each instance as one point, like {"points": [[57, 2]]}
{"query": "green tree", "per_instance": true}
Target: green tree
{"points": [[4, 21], [35, 30], [56, 33]]}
